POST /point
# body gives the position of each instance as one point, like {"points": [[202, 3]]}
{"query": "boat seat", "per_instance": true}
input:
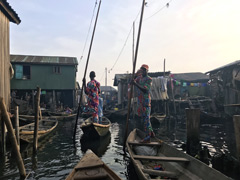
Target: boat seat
{"points": [[95, 173], [157, 158], [169, 174], [145, 144]]}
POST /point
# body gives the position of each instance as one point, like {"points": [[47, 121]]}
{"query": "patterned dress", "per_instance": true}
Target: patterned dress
{"points": [[144, 102], [93, 91]]}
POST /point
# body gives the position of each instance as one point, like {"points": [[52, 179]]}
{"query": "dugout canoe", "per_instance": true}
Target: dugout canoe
{"points": [[158, 160], [46, 126], [92, 167], [95, 130]]}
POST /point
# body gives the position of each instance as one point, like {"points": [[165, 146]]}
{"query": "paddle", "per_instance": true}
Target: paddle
{"points": [[75, 128], [133, 73]]}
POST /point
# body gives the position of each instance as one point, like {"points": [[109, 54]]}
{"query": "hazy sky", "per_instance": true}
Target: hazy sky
{"points": [[193, 36]]}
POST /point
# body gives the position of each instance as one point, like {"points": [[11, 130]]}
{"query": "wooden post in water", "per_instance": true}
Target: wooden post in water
{"points": [[16, 114], [35, 138], [12, 138], [3, 136], [236, 121], [193, 124]]}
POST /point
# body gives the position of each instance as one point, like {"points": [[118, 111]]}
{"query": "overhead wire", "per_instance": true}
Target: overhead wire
{"points": [[89, 30], [167, 5]]}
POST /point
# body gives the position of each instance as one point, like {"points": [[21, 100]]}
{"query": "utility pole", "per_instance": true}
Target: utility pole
{"points": [[105, 76]]}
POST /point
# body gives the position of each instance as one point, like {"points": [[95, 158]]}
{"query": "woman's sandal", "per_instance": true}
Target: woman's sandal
{"points": [[147, 139]]}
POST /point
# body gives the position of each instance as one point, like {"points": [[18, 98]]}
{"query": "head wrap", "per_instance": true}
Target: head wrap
{"points": [[145, 67]]}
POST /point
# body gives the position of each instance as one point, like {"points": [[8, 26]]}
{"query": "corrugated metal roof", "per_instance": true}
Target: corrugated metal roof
{"points": [[9, 12], [107, 88], [43, 59], [125, 76], [195, 76], [225, 66]]}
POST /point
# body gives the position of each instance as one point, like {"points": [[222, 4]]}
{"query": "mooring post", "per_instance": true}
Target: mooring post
{"points": [[35, 138], [193, 124], [236, 121], [3, 135], [12, 138], [16, 114]]}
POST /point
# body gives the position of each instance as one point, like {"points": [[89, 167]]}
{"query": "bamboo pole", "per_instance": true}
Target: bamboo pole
{"points": [[133, 73], [36, 125], [89, 52], [12, 138], [236, 121], [16, 114]]}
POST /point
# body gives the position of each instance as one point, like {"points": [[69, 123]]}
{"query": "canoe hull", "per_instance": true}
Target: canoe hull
{"points": [[176, 163], [46, 126], [92, 167], [95, 130]]}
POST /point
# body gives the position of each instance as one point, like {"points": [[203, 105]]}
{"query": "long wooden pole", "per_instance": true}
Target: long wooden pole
{"points": [[133, 72], [36, 125], [89, 52], [12, 138]]}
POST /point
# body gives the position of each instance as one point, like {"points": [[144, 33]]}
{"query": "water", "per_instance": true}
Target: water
{"points": [[57, 154]]}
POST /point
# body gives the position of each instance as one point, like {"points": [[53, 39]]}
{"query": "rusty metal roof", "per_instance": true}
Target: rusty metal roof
{"points": [[9, 12], [43, 60], [191, 77], [235, 63]]}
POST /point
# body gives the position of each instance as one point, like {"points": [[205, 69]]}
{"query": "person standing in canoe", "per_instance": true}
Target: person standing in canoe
{"points": [[144, 82], [92, 90]]}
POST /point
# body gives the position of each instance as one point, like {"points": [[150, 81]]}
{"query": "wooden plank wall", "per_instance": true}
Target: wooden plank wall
{"points": [[4, 59]]}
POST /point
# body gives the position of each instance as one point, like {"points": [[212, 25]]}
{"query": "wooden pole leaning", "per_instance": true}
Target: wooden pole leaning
{"points": [[12, 138], [36, 125], [133, 73], [85, 72]]}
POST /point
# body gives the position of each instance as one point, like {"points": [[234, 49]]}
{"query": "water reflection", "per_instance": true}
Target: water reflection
{"points": [[98, 146], [57, 154]]}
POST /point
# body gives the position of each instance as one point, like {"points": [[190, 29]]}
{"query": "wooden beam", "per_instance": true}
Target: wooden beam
{"points": [[145, 144], [157, 158]]}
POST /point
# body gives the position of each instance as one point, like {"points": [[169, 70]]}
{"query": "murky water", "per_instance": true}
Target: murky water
{"points": [[57, 154]]}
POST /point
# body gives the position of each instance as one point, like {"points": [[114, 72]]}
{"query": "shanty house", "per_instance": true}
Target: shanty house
{"points": [[159, 92], [7, 15], [56, 76], [109, 95], [225, 87], [189, 84]]}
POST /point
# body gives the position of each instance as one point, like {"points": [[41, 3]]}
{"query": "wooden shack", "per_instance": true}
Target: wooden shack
{"points": [[225, 87], [54, 74], [158, 94], [7, 15]]}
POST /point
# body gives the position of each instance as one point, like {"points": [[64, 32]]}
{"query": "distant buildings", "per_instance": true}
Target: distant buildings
{"points": [[225, 87]]}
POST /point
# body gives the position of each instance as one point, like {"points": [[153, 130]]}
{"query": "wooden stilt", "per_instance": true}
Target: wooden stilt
{"points": [[35, 138], [3, 136], [236, 121], [192, 123], [16, 114], [12, 138]]}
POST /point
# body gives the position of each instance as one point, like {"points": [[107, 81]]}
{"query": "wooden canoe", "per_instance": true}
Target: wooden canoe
{"points": [[26, 133], [174, 163], [92, 167], [94, 130]]}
